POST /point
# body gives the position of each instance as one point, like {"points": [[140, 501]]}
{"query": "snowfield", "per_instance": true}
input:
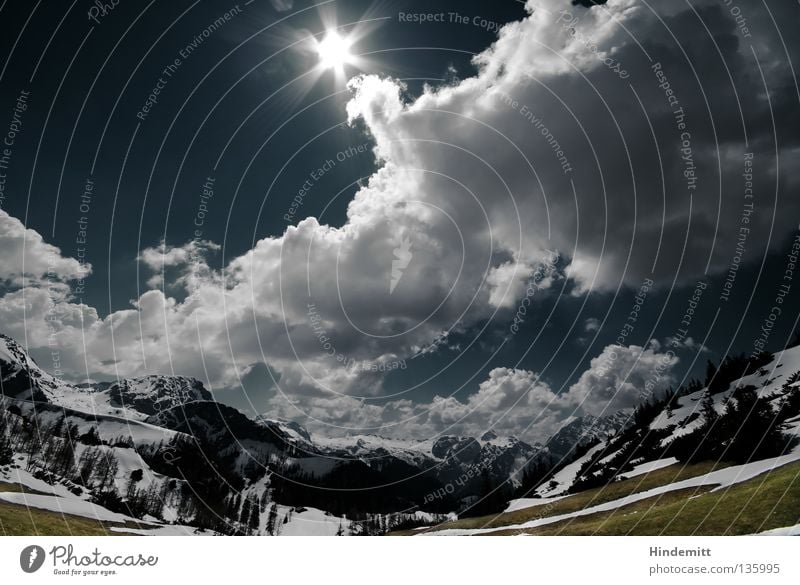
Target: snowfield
{"points": [[522, 503], [164, 530], [649, 466], [564, 479], [785, 531], [71, 505], [313, 522], [22, 477]]}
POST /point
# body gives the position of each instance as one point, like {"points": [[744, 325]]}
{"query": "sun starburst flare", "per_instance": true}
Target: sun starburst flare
{"points": [[334, 51]]}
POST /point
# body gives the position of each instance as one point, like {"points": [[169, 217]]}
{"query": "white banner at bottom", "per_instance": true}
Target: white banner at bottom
{"points": [[390, 560]]}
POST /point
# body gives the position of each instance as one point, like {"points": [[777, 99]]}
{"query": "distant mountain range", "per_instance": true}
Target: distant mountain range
{"points": [[263, 458], [174, 455]]}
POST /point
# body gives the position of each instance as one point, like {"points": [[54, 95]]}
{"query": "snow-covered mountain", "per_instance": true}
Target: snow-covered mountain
{"points": [[273, 454], [181, 403], [173, 454], [503, 457], [587, 429], [134, 398], [732, 417]]}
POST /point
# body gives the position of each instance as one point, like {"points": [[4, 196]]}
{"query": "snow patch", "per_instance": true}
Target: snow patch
{"points": [[649, 466]]}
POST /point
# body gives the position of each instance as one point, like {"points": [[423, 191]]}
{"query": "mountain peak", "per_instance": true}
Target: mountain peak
{"points": [[488, 436]]}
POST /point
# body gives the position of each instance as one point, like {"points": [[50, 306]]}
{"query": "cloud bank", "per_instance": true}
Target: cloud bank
{"points": [[566, 139]]}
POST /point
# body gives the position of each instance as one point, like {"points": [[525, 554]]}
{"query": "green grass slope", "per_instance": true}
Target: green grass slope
{"points": [[770, 500]]}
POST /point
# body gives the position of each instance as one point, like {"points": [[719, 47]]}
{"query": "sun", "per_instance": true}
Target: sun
{"points": [[334, 51]]}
